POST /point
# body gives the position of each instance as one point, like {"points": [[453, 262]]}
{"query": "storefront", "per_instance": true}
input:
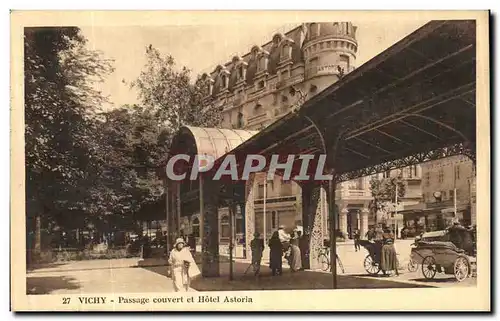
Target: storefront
{"points": [[433, 217]]}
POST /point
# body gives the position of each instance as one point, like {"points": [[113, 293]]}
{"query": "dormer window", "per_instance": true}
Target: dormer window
{"points": [[285, 52], [336, 28], [262, 63], [313, 30], [223, 79], [240, 72], [277, 39]]}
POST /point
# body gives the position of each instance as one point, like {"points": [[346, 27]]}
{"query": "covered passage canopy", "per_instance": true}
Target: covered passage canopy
{"points": [[412, 103]]}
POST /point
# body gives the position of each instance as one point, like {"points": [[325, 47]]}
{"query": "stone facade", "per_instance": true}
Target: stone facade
{"points": [[440, 178], [253, 91]]}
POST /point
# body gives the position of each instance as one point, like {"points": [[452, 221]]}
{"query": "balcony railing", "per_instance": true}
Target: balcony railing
{"points": [[257, 118]]}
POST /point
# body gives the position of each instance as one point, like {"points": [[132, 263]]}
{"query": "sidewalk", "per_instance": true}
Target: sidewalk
{"points": [[304, 280], [96, 276], [355, 277]]}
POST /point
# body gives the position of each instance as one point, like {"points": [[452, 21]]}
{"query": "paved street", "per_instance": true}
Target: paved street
{"points": [[119, 276], [97, 276]]}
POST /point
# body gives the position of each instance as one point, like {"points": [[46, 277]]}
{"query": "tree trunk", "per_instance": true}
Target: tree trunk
{"points": [[37, 249]]}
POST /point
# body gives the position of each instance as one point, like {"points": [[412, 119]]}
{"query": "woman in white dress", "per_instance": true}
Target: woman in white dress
{"points": [[182, 265]]}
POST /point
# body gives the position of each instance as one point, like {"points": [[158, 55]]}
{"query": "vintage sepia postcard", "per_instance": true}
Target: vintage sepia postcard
{"points": [[250, 161]]}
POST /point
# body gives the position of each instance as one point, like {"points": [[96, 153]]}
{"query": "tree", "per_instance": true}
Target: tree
{"points": [[384, 193], [61, 101], [132, 144], [167, 92], [169, 97]]}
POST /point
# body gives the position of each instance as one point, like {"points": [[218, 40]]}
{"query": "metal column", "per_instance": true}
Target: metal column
{"points": [[333, 228]]}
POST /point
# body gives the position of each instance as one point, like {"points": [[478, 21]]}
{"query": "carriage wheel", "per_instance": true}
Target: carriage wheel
{"points": [[412, 266], [371, 266], [461, 268], [325, 262], [429, 267]]}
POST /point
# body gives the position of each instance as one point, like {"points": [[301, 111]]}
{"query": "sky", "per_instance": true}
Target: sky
{"points": [[202, 47]]}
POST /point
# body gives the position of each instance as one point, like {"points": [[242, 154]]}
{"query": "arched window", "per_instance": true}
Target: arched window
{"points": [[196, 227], [224, 227]]}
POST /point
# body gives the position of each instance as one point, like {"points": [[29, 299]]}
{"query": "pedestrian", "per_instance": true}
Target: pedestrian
{"points": [[304, 249], [389, 258], [379, 232], [295, 261], [257, 247], [182, 265], [356, 237], [191, 242], [284, 238], [370, 235], [275, 254], [283, 235]]}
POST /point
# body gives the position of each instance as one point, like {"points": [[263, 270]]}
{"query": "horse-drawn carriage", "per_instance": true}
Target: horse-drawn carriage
{"points": [[451, 251], [371, 262]]}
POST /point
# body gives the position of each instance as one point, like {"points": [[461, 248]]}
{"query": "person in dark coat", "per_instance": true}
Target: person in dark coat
{"points": [[257, 247], [275, 254], [370, 235], [356, 238], [191, 242], [389, 259]]}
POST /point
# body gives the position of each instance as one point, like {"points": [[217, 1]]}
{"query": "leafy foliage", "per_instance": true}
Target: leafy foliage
{"points": [[384, 192], [89, 167], [135, 142], [169, 95], [61, 101]]}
